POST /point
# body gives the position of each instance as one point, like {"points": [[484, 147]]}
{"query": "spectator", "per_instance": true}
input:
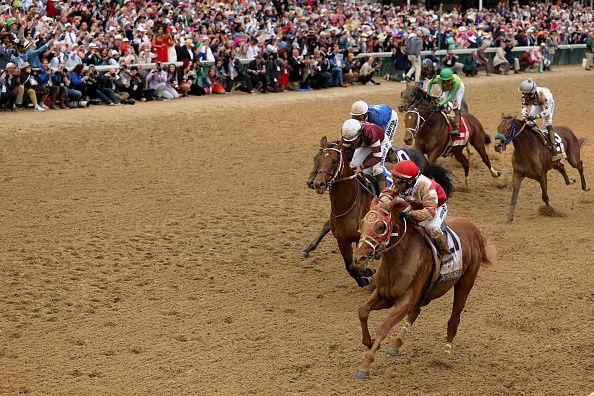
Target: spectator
{"points": [[500, 62], [160, 43], [200, 82], [106, 85], [590, 50], [481, 59], [367, 71], [414, 45], [451, 61], [295, 69], [157, 81], [257, 72], [7, 97], [336, 59], [33, 91]]}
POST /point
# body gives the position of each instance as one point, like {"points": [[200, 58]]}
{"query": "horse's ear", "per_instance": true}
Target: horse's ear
{"points": [[324, 142], [502, 116]]}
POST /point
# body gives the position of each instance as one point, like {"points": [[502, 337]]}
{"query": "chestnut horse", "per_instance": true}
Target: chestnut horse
{"points": [[532, 159], [429, 129], [437, 171], [406, 271]]}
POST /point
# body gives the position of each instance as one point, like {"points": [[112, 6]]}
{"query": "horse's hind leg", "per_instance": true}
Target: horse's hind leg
{"points": [[461, 291], [459, 155], [576, 162], [561, 168], [314, 244], [406, 325], [481, 149], [580, 168]]}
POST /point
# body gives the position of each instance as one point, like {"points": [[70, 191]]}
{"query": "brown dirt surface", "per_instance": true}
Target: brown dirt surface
{"points": [[153, 250]]}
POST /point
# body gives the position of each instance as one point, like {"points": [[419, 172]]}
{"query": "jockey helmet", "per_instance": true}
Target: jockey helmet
{"points": [[405, 170], [528, 86], [350, 130], [446, 74], [359, 108]]}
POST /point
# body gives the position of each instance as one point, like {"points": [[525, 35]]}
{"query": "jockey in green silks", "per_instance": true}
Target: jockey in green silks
{"points": [[452, 94]]}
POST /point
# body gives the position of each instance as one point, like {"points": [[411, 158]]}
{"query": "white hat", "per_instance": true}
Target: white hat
{"points": [[117, 37], [462, 29], [126, 40], [472, 39], [359, 108], [67, 24], [350, 130], [92, 45], [10, 65]]}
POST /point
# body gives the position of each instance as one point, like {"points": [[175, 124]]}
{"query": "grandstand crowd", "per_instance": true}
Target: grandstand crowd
{"points": [[51, 51]]}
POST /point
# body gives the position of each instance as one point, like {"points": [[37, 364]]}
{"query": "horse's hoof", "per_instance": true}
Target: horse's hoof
{"points": [[304, 255], [571, 181], [362, 282], [367, 272], [362, 374], [448, 348], [586, 189], [393, 352]]}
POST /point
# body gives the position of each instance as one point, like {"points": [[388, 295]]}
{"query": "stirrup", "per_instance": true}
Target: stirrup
{"points": [[446, 258], [455, 133]]}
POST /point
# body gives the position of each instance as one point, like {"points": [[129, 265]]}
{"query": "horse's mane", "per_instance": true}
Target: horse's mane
{"points": [[415, 98]]}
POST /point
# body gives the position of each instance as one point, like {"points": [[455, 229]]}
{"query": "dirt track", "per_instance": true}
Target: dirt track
{"points": [[153, 250]]}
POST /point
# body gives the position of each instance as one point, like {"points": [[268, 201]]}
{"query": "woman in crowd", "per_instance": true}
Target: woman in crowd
{"points": [[200, 81], [33, 90], [216, 79], [175, 84], [161, 44]]}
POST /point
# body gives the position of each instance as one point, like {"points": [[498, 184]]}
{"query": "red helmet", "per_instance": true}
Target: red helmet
{"points": [[405, 170]]}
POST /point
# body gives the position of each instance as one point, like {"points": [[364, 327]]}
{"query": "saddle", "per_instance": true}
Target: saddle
{"points": [[543, 135], [441, 273]]}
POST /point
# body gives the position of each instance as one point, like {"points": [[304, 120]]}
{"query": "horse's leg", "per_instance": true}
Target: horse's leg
{"points": [[346, 250], [543, 188], [561, 168], [459, 155], [374, 302], [518, 177], [482, 150], [461, 291], [580, 168], [406, 325], [396, 315], [575, 161], [314, 244]]}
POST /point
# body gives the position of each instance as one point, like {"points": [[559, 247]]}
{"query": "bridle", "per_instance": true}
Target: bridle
{"points": [[421, 121], [380, 243], [334, 177], [513, 133]]}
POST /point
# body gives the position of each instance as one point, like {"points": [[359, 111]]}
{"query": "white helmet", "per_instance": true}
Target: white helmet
{"points": [[528, 86], [350, 130], [359, 108]]}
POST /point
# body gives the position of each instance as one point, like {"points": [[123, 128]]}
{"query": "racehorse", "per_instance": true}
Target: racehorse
{"points": [[438, 172], [403, 280], [350, 199], [429, 128], [532, 159]]}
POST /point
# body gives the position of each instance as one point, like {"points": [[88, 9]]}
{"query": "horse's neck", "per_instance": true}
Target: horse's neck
{"points": [[343, 193], [527, 140], [433, 123]]}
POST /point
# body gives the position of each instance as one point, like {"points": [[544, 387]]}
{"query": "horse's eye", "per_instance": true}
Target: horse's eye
{"points": [[334, 161], [380, 228]]}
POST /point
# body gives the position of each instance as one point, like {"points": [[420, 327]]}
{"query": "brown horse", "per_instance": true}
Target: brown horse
{"points": [[532, 159], [429, 129], [406, 270], [349, 201]]}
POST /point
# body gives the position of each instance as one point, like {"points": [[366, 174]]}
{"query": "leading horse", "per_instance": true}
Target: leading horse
{"points": [[429, 128], [532, 159], [350, 199], [406, 271]]}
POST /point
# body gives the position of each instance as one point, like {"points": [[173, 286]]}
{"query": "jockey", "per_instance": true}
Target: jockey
{"points": [[371, 145], [381, 115], [427, 201], [543, 106], [452, 94]]}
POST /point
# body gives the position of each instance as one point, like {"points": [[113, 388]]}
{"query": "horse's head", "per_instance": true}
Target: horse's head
{"points": [[509, 128], [329, 165], [316, 162], [412, 123], [376, 229], [409, 96]]}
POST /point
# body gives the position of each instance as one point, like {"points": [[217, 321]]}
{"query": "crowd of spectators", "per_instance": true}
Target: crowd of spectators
{"points": [[50, 50]]}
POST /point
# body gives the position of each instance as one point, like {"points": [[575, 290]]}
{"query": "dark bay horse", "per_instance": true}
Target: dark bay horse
{"points": [[426, 125], [405, 271], [437, 172], [532, 159]]}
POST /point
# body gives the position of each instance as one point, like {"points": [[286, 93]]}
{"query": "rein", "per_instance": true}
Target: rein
{"points": [[505, 140], [380, 247]]}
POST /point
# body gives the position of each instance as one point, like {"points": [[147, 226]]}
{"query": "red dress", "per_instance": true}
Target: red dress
{"points": [[161, 49]]}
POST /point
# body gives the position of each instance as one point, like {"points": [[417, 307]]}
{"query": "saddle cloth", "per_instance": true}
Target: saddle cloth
{"points": [[544, 136], [464, 131]]}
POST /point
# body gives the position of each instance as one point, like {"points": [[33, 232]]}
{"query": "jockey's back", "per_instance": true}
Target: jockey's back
{"points": [[379, 115], [425, 193]]}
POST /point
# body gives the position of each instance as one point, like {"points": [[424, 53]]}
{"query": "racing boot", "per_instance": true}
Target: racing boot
{"points": [[381, 182], [444, 250], [551, 145], [457, 122]]}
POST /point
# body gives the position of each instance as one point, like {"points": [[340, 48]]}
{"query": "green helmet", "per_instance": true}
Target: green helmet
{"points": [[446, 74]]}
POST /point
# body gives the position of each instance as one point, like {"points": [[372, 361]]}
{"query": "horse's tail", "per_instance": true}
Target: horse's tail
{"points": [[439, 172], [487, 139], [488, 251], [582, 141]]}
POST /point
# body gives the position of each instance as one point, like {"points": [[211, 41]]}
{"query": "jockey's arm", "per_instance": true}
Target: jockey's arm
{"points": [[430, 85], [374, 157], [429, 201], [452, 92]]}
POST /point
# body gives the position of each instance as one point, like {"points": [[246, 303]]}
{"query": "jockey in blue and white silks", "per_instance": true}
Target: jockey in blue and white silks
{"points": [[381, 115]]}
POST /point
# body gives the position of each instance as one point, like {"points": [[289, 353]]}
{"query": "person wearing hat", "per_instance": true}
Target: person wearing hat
{"points": [[414, 45], [69, 35], [13, 83], [452, 94], [34, 53], [32, 89], [92, 57]]}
